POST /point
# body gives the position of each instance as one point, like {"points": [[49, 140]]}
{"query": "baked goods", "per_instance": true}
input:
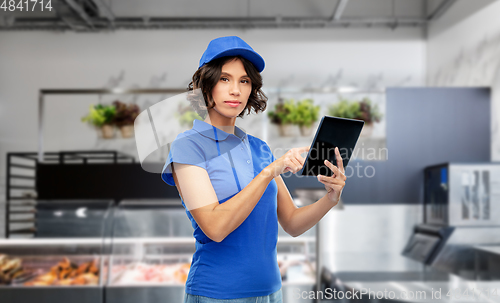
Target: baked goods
{"points": [[68, 273], [10, 269]]}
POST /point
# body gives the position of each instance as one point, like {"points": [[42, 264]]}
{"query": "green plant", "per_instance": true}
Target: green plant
{"points": [[361, 110], [284, 112], [307, 113], [100, 115], [186, 116], [125, 113]]}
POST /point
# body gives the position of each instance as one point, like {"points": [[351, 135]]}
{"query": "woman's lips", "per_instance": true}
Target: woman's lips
{"points": [[232, 103]]}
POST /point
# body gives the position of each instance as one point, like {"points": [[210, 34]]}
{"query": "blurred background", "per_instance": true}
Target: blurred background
{"points": [[421, 207]]}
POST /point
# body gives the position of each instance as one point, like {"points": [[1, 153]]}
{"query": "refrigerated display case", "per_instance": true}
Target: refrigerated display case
{"points": [[72, 218], [52, 270], [65, 261], [152, 247], [142, 255], [150, 252]]}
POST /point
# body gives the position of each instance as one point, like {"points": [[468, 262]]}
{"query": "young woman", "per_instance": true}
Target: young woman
{"points": [[230, 183]]}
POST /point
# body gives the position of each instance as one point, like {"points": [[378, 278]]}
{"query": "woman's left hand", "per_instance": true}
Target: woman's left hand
{"points": [[335, 183]]}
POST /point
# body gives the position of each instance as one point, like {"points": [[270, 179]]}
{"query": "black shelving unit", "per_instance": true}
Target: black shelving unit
{"points": [[24, 166]]}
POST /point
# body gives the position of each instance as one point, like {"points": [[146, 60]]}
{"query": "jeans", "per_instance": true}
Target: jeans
{"points": [[276, 297]]}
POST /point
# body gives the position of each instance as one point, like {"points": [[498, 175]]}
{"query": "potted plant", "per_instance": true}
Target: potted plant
{"points": [[306, 115], [284, 115], [186, 116], [102, 117], [125, 117], [360, 110]]}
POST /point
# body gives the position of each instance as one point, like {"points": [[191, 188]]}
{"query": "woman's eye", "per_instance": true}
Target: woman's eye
{"points": [[245, 81], [224, 79]]}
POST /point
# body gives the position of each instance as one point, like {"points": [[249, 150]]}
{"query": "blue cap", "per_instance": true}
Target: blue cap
{"points": [[231, 46]]}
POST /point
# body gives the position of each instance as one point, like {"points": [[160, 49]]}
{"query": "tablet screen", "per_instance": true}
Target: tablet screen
{"points": [[332, 132]]}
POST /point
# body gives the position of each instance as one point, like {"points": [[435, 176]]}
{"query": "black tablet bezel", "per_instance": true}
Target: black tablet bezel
{"points": [[314, 143]]}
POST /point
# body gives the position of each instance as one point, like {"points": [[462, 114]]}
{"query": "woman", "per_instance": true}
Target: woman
{"points": [[230, 184]]}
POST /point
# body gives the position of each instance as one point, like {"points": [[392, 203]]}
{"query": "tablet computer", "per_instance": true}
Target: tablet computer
{"points": [[332, 132]]}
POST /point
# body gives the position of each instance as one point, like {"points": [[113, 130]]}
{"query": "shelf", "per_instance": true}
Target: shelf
{"points": [[139, 241], [287, 240], [142, 241], [116, 139], [51, 241], [300, 282]]}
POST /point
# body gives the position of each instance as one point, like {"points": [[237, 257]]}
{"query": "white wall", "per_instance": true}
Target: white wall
{"points": [[383, 229], [465, 52], [34, 60], [31, 60]]}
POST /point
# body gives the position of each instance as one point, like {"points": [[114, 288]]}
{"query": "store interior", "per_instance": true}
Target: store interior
{"points": [[84, 217]]}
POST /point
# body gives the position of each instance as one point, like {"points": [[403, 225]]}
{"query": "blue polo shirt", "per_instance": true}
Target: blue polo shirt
{"points": [[244, 264]]}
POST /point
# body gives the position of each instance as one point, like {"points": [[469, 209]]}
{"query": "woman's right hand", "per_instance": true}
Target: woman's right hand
{"points": [[291, 161]]}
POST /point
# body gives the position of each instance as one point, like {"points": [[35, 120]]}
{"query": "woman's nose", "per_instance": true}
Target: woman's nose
{"points": [[235, 89]]}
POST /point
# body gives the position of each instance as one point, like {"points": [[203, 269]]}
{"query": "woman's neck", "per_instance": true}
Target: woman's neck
{"points": [[221, 122]]}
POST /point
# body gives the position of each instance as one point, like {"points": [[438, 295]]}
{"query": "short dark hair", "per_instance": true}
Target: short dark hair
{"points": [[207, 76]]}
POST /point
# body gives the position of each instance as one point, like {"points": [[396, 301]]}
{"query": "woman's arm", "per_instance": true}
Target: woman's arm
{"points": [[216, 220], [295, 221], [219, 220]]}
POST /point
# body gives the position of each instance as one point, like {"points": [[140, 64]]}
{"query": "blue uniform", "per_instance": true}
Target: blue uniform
{"points": [[245, 263]]}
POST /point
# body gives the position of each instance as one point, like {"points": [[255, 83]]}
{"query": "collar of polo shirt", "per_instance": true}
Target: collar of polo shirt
{"points": [[207, 130]]}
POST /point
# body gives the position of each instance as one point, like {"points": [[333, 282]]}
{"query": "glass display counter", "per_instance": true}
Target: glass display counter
{"points": [[152, 248], [138, 251], [72, 218], [55, 266], [150, 252]]}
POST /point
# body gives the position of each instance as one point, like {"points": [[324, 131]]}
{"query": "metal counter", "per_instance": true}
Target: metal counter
{"points": [[395, 278]]}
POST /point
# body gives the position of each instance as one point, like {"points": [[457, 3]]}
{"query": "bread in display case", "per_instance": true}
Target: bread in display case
{"points": [[52, 270], [64, 261]]}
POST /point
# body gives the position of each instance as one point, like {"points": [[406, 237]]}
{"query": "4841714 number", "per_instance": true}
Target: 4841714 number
{"points": [[36, 5]]}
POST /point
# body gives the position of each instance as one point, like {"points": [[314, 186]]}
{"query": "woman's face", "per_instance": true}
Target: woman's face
{"points": [[233, 89]]}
